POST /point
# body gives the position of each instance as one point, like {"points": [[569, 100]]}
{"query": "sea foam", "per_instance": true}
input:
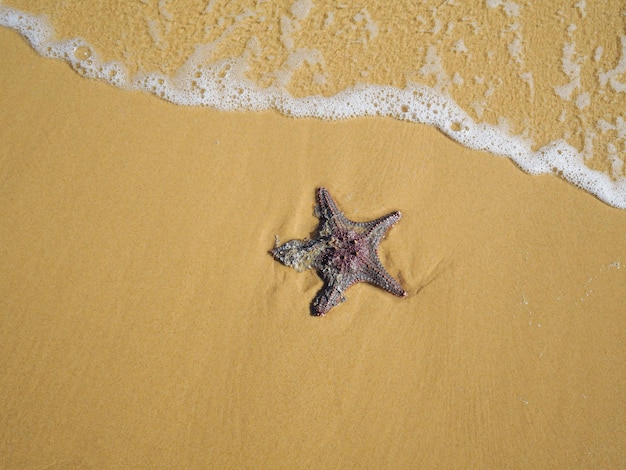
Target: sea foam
{"points": [[224, 86]]}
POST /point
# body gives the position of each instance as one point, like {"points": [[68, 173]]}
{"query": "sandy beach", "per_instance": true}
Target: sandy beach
{"points": [[145, 325]]}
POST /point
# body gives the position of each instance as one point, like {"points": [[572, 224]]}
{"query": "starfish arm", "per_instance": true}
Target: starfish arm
{"points": [[379, 227], [327, 298], [329, 213], [373, 272], [299, 254]]}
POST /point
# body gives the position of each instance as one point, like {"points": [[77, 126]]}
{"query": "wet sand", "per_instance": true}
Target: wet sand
{"points": [[145, 325]]}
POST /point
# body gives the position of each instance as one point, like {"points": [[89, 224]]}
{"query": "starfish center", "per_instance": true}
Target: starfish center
{"points": [[346, 253]]}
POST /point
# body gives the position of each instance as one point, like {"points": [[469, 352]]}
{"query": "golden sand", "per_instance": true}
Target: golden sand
{"points": [[144, 324]]}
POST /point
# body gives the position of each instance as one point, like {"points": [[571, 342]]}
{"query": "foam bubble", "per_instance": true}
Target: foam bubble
{"points": [[223, 85]]}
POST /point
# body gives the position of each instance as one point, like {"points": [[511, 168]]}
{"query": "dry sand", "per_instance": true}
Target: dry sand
{"points": [[143, 323]]}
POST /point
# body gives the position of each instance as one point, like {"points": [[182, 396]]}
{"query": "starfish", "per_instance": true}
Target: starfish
{"points": [[343, 253]]}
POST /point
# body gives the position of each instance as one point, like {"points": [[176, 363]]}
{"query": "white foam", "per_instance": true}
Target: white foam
{"points": [[571, 68], [434, 67], [223, 86], [510, 8], [41, 36], [459, 47], [370, 25], [301, 8], [612, 75]]}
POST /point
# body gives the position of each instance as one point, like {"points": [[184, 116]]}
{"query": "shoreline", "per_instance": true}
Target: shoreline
{"points": [[224, 86]]}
